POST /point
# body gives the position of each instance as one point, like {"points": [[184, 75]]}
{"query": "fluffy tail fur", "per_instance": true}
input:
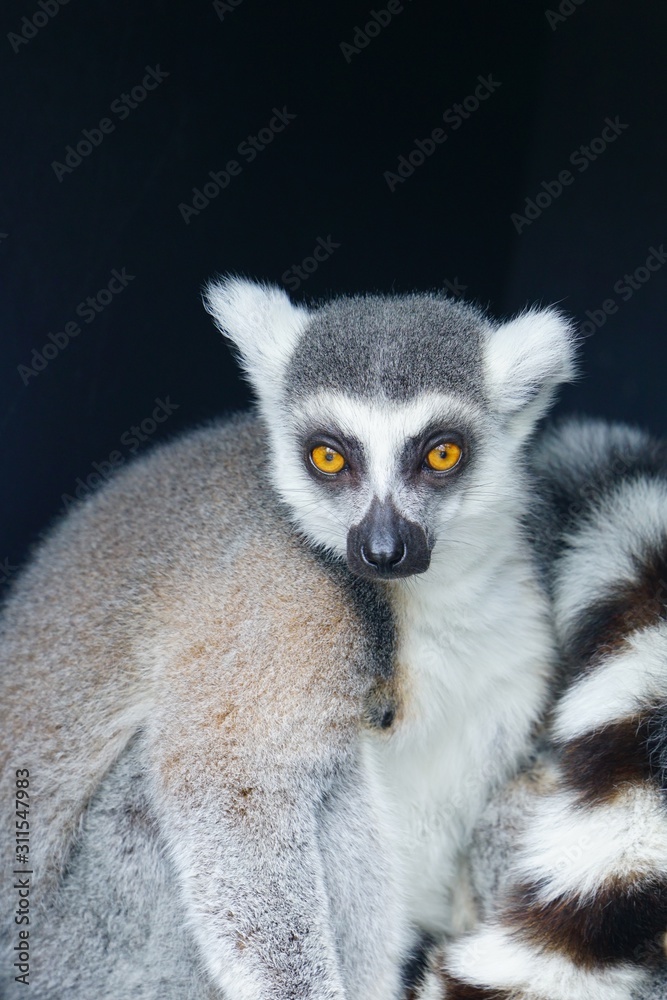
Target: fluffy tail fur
{"points": [[583, 909]]}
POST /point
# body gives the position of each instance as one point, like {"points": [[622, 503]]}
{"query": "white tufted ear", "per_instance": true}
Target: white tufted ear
{"points": [[262, 324], [526, 359]]}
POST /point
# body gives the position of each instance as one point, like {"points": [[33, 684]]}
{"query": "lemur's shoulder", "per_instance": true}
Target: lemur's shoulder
{"points": [[180, 504]]}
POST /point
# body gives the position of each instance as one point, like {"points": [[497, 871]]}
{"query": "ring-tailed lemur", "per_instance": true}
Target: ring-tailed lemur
{"points": [[178, 601], [571, 862], [269, 693]]}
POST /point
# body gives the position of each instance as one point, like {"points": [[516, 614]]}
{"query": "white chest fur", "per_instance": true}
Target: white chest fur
{"points": [[475, 657]]}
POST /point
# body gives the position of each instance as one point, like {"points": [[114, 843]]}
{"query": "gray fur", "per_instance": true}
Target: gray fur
{"points": [[178, 602], [287, 723], [232, 726], [117, 927], [390, 346]]}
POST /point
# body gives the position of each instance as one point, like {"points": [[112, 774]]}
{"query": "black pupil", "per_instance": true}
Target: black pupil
{"points": [[329, 455]]}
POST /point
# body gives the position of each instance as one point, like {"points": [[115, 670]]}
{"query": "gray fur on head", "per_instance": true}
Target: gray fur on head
{"points": [[389, 346], [396, 346]]}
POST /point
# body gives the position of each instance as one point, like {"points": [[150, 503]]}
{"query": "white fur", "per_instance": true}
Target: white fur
{"points": [[461, 660], [431, 988], [602, 551], [625, 684], [526, 359], [463, 664], [383, 428], [498, 958], [474, 661], [263, 325], [576, 851], [473, 518]]}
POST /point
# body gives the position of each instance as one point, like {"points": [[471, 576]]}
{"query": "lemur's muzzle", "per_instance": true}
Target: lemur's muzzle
{"points": [[385, 545]]}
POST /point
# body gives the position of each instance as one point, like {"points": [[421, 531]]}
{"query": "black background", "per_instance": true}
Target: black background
{"points": [[320, 177]]}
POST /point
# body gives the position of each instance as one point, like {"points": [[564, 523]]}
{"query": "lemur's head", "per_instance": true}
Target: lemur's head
{"points": [[395, 423]]}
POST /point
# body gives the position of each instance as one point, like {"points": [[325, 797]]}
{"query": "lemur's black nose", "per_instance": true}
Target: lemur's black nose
{"points": [[386, 545], [383, 553]]}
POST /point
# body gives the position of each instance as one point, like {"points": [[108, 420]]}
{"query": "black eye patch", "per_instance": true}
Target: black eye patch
{"points": [[417, 448], [349, 447]]}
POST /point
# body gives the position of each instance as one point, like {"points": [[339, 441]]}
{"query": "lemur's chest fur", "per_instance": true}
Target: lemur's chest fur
{"points": [[469, 691]]}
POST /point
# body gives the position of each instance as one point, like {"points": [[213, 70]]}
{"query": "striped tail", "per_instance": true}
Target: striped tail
{"points": [[584, 914]]}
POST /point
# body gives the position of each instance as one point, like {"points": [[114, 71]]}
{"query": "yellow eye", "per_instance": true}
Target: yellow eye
{"points": [[327, 459], [443, 457]]}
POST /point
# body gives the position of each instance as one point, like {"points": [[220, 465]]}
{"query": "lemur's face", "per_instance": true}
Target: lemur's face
{"points": [[395, 422], [380, 482]]}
